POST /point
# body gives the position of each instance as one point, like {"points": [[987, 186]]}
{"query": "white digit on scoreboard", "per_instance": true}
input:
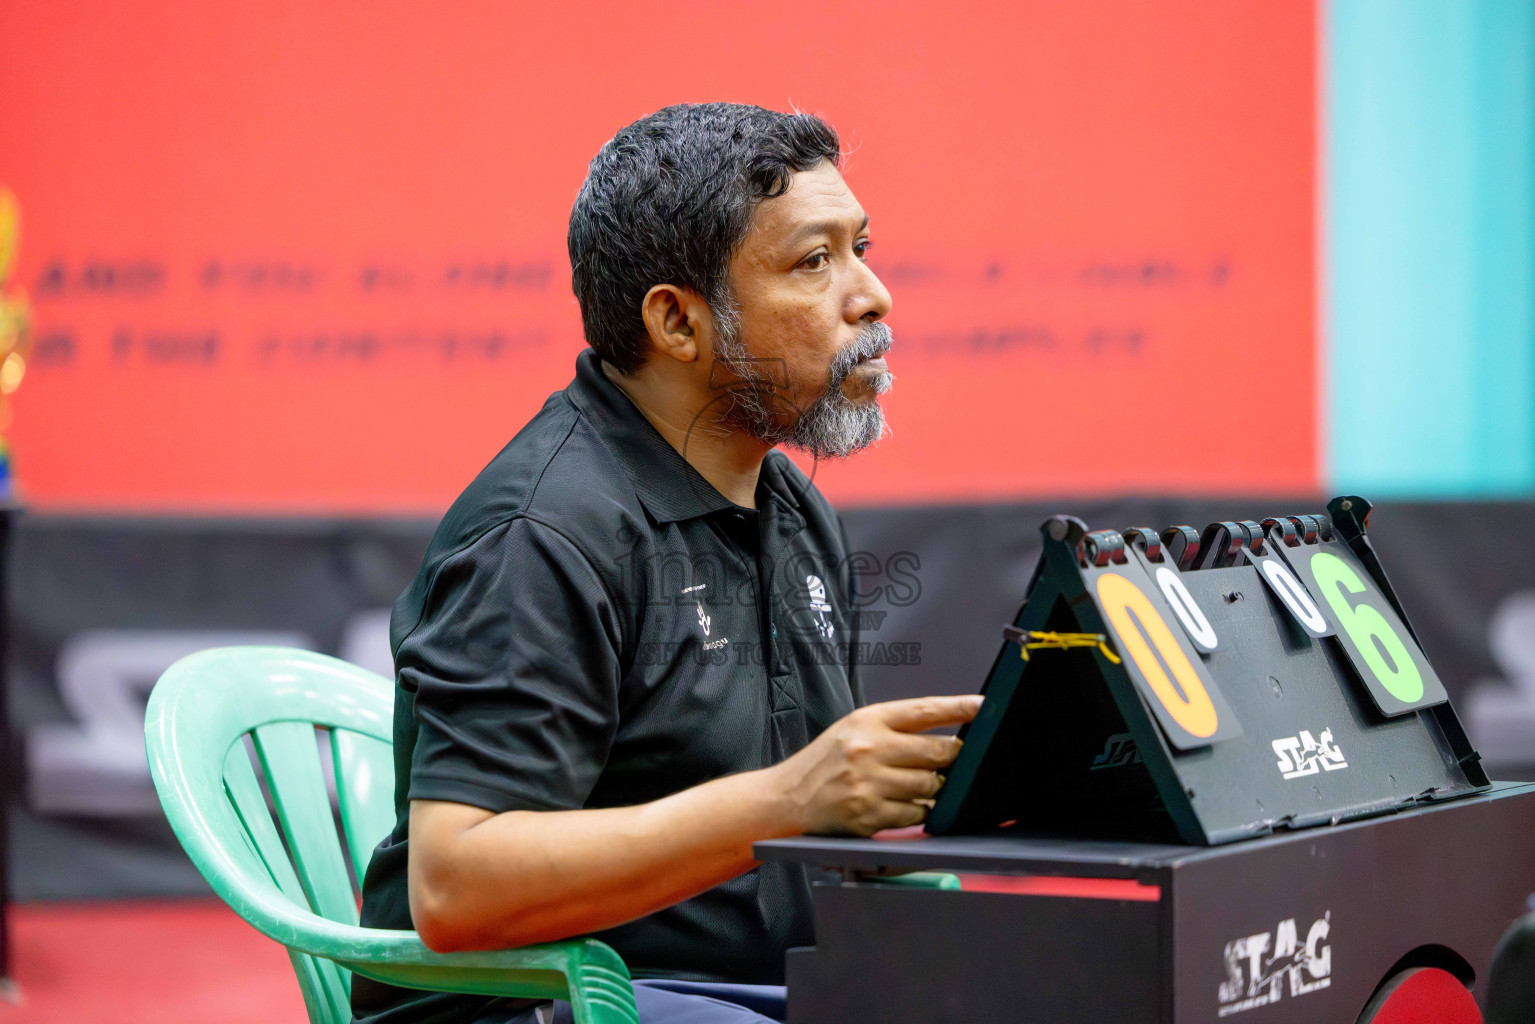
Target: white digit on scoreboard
{"points": [[1294, 596], [1189, 613]]}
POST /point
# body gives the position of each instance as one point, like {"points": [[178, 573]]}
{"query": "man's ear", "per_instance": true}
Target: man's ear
{"points": [[678, 322]]}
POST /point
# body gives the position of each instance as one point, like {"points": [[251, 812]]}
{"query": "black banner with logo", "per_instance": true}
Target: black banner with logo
{"points": [[101, 606]]}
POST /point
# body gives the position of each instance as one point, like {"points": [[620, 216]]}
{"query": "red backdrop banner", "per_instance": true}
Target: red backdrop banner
{"points": [[309, 256]]}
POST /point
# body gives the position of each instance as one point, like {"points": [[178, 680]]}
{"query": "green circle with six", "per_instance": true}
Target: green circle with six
{"points": [[1378, 643]]}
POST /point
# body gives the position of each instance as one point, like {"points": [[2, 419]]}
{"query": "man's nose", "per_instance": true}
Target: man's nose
{"points": [[868, 299]]}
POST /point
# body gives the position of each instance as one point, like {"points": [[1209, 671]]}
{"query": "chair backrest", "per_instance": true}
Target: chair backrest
{"points": [[289, 878]]}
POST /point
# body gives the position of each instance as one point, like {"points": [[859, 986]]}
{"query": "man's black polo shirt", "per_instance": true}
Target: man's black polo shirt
{"points": [[594, 625]]}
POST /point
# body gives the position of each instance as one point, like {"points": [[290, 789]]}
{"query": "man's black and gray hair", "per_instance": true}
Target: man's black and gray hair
{"points": [[668, 200]]}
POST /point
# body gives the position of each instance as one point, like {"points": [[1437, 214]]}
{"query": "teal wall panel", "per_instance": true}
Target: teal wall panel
{"points": [[1429, 247]]}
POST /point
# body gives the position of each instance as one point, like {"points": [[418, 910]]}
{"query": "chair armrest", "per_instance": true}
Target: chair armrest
{"points": [[585, 972], [917, 880]]}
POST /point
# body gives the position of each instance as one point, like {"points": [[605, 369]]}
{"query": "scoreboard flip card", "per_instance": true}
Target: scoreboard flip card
{"points": [[1383, 652], [1144, 548], [1159, 657], [1206, 685]]}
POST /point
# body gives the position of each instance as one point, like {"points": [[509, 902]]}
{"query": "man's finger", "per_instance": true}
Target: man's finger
{"points": [[919, 713], [901, 814], [908, 784], [908, 750]]}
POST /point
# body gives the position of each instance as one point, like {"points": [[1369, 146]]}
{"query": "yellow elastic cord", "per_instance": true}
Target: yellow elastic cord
{"points": [[1065, 641]]}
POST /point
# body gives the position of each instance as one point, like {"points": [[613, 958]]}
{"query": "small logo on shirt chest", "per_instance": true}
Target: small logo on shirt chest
{"points": [[705, 620], [815, 592]]}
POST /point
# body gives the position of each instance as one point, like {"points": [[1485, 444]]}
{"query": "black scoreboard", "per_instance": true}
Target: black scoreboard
{"points": [[1209, 686]]}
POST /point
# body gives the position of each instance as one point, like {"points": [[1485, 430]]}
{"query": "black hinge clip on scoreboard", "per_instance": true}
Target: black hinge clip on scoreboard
{"points": [[1207, 685]]}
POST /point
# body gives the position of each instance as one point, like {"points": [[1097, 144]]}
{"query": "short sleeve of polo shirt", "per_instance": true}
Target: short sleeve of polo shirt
{"points": [[515, 666]]}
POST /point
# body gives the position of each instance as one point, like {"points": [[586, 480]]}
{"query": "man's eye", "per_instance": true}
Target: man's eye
{"points": [[815, 261], [861, 249]]}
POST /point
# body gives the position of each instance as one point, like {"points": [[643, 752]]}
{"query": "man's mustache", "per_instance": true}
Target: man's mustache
{"points": [[871, 342]]}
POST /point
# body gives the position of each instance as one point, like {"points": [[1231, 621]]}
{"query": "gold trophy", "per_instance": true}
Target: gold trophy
{"points": [[15, 336]]}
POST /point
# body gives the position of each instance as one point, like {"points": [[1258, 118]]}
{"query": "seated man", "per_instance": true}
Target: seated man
{"points": [[627, 654]]}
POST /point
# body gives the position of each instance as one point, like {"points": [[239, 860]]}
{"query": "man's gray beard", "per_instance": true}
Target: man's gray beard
{"points": [[832, 426]]}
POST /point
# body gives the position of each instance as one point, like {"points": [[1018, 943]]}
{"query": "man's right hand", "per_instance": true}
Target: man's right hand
{"points": [[873, 769]]}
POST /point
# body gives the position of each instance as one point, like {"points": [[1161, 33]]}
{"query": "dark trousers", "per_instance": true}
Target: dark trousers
{"points": [[680, 1002]]}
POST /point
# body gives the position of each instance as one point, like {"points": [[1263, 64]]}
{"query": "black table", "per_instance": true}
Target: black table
{"points": [[1298, 926]]}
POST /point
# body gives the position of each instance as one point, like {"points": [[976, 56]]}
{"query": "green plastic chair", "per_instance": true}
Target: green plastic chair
{"points": [[198, 714]]}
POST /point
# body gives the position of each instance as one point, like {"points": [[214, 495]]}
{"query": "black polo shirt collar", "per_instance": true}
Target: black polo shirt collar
{"points": [[667, 485]]}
